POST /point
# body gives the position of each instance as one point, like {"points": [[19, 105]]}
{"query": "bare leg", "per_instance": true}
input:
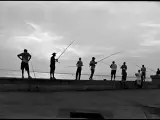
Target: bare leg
{"points": [[111, 77], [114, 76], [77, 74], [28, 73], [22, 73]]}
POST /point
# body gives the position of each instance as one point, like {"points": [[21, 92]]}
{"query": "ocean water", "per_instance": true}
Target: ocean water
{"points": [[70, 76]]}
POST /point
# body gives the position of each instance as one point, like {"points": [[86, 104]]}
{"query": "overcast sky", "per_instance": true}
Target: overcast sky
{"points": [[99, 28]]}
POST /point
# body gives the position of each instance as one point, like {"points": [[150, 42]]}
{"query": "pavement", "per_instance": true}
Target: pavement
{"points": [[115, 104]]}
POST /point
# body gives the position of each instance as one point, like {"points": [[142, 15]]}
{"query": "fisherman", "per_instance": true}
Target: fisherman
{"points": [[92, 64], [79, 68], [138, 79], [124, 74], [158, 72], [25, 57], [113, 67], [52, 66], [143, 69]]}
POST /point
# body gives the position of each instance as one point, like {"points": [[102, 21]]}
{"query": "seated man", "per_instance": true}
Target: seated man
{"points": [[158, 72]]}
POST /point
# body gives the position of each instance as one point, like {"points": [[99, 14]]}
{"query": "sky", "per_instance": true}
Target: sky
{"points": [[99, 28]]}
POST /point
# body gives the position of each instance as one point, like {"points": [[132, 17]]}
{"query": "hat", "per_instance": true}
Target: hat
{"points": [[53, 53]]}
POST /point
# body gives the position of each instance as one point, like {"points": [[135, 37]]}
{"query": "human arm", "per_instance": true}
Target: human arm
{"points": [[19, 56], [56, 60], [29, 57]]}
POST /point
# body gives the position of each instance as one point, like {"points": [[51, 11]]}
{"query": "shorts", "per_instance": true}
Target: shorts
{"points": [[24, 66], [144, 74], [52, 69], [113, 72]]}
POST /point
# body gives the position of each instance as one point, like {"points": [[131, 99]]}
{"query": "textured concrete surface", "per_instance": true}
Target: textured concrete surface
{"points": [[131, 104]]}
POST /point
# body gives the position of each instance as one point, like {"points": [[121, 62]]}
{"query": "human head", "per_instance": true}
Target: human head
{"points": [[25, 50], [93, 58], [80, 59], [54, 54], [113, 62], [124, 63], [142, 65], [158, 69], [139, 71]]}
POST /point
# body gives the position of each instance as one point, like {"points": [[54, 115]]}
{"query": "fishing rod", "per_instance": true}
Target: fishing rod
{"points": [[147, 68], [33, 70], [65, 49], [109, 56]]}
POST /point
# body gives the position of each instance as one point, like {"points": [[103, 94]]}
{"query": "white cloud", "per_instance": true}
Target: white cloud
{"points": [[150, 43]]}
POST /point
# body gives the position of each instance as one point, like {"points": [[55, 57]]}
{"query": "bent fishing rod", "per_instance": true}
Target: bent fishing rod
{"points": [[109, 56], [147, 68], [65, 49]]}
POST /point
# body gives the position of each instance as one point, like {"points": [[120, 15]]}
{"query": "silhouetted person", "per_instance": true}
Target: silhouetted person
{"points": [[113, 67], [25, 57], [158, 72], [52, 66], [138, 79], [124, 74], [79, 68], [92, 64], [143, 69]]}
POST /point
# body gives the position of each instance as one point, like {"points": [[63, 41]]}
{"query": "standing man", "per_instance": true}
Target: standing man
{"points": [[79, 68], [143, 69], [52, 66], [113, 67], [25, 57], [124, 74], [92, 65]]}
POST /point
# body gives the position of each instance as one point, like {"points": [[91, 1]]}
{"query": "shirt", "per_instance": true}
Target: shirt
{"points": [[143, 69], [25, 57], [52, 61], [79, 63], [138, 76], [113, 66], [92, 64], [124, 67], [158, 72]]}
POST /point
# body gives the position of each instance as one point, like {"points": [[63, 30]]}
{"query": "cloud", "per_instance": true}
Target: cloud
{"points": [[150, 43], [150, 24]]}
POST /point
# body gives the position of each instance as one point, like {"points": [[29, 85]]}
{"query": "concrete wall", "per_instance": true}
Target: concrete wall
{"points": [[12, 84]]}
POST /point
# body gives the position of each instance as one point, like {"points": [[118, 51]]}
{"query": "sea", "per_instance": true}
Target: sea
{"points": [[70, 76]]}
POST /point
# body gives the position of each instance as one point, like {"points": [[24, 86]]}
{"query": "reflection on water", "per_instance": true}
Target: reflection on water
{"points": [[64, 76]]}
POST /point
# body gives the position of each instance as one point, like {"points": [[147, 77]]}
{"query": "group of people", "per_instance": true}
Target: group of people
{"points": [[140, 75]]}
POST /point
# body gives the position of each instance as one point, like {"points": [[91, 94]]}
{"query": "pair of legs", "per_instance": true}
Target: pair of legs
{"points": [[91, 76], [52, 70], [124, 77], [26, 67], [143, 77], [113, 74], [78, 72]]}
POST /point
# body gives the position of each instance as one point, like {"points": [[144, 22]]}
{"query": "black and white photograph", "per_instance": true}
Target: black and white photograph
{"points": [[79, 60]]}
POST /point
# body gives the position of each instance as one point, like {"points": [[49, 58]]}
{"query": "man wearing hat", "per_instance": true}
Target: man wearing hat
{"points": [[25, 57], [92, 65], [52, 65]]}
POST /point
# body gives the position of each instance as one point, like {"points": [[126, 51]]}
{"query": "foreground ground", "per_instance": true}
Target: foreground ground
{"points": [[110, 104]]}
